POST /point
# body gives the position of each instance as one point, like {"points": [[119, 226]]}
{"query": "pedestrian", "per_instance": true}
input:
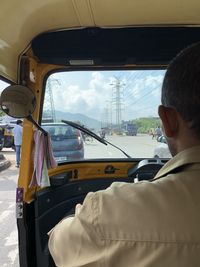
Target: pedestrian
{"points": [[148, 223], [152, 132], [1, 137], [17, 131], [158, 133]]}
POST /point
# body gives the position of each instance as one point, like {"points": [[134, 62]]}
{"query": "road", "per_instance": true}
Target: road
{"points": [[136, 146], [140, 146], [8, 233]]}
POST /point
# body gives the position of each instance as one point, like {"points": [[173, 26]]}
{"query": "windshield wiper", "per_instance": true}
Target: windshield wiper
{"points": [[95, 136]]}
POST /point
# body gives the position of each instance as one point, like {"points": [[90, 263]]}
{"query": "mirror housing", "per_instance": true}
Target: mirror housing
{"points": [[18, 101]]}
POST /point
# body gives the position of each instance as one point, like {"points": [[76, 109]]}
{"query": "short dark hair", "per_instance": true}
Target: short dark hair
{"points": [[181, 85], [19, 121]]}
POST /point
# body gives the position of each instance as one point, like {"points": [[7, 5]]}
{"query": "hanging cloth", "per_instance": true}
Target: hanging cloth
{"points": [[43, 159]]}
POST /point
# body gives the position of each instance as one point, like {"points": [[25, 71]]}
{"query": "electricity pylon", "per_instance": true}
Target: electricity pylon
{"points": [[49, 101], [117, 86]]}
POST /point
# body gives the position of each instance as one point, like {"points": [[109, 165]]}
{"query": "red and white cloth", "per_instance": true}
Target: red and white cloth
{"points": [[43, 159]]}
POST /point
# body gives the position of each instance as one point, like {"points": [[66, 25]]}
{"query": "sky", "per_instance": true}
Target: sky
{"points": [[106, 95], [95, 93]]}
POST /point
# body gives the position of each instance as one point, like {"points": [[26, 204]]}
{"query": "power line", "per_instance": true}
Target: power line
{"points": [[138, 77], [143, 96]]}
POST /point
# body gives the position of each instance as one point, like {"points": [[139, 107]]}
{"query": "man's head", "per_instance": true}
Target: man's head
{"points": [[180, 99], [19, 122]]}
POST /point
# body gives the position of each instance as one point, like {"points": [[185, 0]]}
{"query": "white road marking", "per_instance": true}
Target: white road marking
{"points": [[12, 255], [11, 205], [12, 239], [5, 214]]}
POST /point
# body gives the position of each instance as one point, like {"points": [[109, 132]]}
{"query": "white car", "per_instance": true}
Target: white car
{"points": [[162, 149]]}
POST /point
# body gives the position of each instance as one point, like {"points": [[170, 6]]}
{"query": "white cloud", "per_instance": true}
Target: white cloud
{"points": [[83, 97], [144, 98]]}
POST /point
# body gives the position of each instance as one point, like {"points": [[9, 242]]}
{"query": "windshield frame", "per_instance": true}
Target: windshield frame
{"points": [[103, 69]]}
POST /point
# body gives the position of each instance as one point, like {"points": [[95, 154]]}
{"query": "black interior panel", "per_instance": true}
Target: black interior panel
{"points": [[113, 47]]}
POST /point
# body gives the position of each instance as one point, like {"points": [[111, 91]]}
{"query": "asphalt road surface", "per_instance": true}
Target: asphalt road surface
{"points": [[136, 146], [140, 146], [8, 233]]}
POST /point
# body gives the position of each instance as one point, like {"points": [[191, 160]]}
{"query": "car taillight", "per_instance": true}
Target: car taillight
{"points": [[79, 139]]}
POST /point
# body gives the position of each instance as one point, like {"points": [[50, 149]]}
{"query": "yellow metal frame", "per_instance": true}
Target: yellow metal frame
{"points": [[35, 74]]}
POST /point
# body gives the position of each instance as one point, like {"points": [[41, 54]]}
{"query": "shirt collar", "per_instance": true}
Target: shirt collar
{"points": [[185, 157]]}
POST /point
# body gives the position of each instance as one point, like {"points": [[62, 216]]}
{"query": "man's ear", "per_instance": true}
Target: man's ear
{"points": [[169, 119]]}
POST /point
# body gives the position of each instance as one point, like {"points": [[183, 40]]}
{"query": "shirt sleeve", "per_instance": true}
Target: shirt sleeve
{"points": [[75, 240]]}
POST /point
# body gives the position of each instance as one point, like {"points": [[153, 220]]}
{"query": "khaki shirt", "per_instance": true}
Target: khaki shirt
{"points": [[147, 224]]}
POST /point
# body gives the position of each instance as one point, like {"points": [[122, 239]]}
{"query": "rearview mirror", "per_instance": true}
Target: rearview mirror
{"points": [[18, 101]]}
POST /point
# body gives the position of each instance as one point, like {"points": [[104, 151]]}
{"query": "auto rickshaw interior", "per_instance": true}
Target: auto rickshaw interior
{"points": [[86, 49]]}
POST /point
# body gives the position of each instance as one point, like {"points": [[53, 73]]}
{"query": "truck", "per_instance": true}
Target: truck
{"points": [[130, 129]]}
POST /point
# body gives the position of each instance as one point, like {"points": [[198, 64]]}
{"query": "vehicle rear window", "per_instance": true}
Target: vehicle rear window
{"points": [[62, 130]]}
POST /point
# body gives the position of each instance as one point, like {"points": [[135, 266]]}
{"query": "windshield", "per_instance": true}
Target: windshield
{"points": [[119, 106]]}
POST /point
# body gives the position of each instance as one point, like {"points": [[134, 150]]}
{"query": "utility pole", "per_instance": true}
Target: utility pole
{"points": [[109, 108], [49, 101], [106, 117], [117, 86]]}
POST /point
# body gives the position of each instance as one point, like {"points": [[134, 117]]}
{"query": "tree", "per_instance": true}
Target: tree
{"points": [[144, 125]]}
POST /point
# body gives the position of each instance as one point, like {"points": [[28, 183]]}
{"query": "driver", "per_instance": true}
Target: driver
{"points": [[148, 223]]}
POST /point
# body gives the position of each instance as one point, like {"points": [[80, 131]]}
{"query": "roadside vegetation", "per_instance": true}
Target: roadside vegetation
{"points": [[145, 125]]}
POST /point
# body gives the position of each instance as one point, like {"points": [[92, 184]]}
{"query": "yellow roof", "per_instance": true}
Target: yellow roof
{"points": [[22, 20]]}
